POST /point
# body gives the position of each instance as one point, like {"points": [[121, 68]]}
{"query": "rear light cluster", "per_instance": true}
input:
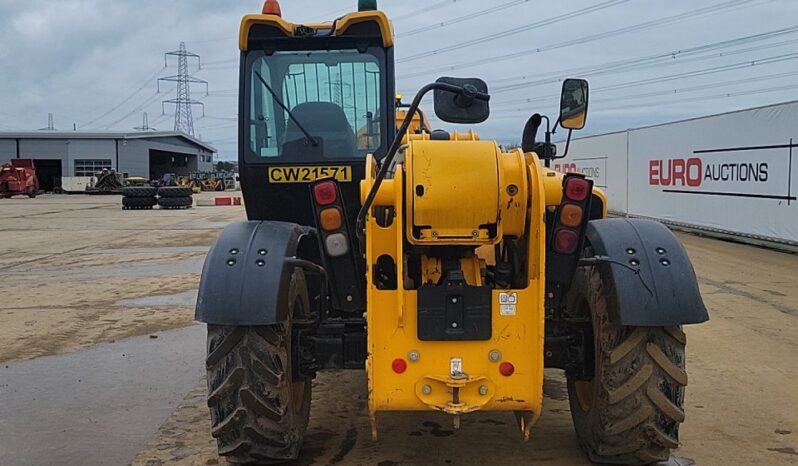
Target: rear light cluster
{"points": [[331, 218], [570, 216]]}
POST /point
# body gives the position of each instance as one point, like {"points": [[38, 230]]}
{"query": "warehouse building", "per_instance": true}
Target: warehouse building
{"points": [[77, 153]]}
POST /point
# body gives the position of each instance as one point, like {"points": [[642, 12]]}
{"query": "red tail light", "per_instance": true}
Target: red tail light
{"points": [[577, 189], [506, 369], [565, 241], [325, 193], [399, 365]]}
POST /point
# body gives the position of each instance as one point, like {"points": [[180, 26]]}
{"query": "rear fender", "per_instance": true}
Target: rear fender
{"points": [[665, 291], [247, 272]]}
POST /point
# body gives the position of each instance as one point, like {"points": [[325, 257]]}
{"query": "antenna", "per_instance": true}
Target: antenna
{"points": [[184, 120]]}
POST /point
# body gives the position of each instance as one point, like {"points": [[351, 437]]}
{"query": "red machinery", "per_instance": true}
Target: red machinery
{"points": [[18, 178]]}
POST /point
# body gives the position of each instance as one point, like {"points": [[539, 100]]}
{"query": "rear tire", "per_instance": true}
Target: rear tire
{"points": [[139, 191], [138, 203], [259, 413], [176, 202], [174, 191], [630, 412]]}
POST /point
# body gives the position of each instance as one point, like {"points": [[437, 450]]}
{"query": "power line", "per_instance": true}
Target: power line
{"points": [[703, 72], [332, 14], [649, 61], [593, 37], [211, 117], [460, 19], [733, 82], [709, 97], [206, 129], [686, 74], [514, 31], [682, 90], [149, 101], [424, 10], [638, 105], [161, 118], [656, 60], [125, 100]]}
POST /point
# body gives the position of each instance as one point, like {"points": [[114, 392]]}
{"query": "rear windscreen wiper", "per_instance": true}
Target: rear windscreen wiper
{"points": [[310, 138]]}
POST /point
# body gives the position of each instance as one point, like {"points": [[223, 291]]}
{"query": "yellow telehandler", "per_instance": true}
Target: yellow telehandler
{"points": [[449, 270]]}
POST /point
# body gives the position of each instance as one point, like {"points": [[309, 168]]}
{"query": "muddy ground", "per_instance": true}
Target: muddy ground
{"points": [[76, 271]]}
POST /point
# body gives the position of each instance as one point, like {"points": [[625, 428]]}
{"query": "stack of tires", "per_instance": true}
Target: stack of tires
{"points": [[139, 197], [175, 197]]}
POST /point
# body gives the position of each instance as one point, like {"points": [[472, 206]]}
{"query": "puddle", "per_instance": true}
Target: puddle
{"points": [[160, 250], [97, 406], [185, 299]]}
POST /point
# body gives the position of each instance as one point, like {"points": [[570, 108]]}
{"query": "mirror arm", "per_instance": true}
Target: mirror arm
{"points": [[567, 144]]}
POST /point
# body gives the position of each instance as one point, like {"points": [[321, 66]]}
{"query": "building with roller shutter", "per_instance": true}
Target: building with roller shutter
{"points": [[57, 154]]}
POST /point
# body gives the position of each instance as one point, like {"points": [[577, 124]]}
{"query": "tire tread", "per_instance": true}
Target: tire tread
{"points": [[254, 416], [638, 403]]}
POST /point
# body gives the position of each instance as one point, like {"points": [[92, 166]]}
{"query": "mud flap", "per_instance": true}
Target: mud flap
{"points": [[649, 270], [246, 273]]}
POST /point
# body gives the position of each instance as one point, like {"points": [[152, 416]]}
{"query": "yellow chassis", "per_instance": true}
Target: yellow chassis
{"points": [[428, 382]]}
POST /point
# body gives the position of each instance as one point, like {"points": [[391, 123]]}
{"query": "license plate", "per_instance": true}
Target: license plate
{"points": [[309, 174]]}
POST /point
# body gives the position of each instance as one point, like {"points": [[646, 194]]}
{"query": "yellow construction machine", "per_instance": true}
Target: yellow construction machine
{"points": [[451, 271]]}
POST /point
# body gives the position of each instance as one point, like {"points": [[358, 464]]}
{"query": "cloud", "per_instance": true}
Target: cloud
{"points": [[81, 58]]}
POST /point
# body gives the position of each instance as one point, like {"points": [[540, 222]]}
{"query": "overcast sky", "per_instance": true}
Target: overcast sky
{"points": [[94, 63]]}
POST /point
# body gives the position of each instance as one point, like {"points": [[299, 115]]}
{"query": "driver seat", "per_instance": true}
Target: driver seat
{"points": [[323, 120]]}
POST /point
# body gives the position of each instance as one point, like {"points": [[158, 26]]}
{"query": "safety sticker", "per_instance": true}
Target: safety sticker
{"points": [[507, 303]]}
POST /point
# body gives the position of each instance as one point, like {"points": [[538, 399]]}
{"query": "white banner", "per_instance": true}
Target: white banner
{"points": [[733, 172]]}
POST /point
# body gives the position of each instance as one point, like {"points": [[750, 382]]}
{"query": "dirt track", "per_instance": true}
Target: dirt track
{"points": [[76, 271]]}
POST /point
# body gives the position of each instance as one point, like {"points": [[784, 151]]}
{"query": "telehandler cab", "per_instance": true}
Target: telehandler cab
{"points": [[453, 272]]}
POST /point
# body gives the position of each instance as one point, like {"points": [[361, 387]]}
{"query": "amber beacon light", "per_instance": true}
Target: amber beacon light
{"points": [[272, 7]]}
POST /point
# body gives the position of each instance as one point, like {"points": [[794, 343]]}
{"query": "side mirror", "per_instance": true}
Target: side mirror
{"points": [[463, 107], [573, 104]]}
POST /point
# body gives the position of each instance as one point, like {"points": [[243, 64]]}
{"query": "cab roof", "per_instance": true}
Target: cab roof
{"points": [[343, 26]]}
